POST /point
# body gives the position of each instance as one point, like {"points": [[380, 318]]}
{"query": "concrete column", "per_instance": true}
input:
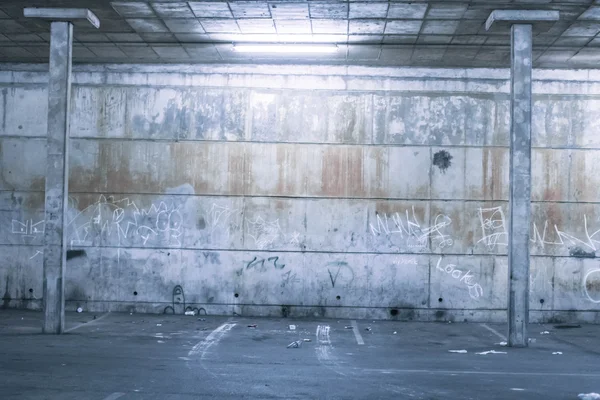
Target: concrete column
{"points": [[57, 167], [521, 23], [520, 185], [57, 176]]}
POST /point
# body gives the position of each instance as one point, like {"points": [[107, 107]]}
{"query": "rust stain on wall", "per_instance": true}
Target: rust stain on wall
{"points": [[333, 172]]}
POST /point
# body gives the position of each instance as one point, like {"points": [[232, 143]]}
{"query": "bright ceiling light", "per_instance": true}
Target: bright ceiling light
{"points": [[285, 48]]}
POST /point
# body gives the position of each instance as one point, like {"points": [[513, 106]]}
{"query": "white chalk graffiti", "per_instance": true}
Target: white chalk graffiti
{"points": [[565, 239], [413, 230], [585, 284], [493, 227], [264, 233], [218, 216], [122, 218], [28, 230], [475, 289], [166, 220], [495, 232], [405, 261], [295, 238]]}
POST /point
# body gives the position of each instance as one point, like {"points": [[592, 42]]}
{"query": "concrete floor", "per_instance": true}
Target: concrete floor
{"points": [[141, 356]]}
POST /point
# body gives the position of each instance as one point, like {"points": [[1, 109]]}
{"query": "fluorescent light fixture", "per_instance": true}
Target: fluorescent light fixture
{"points": [[285, 48]]}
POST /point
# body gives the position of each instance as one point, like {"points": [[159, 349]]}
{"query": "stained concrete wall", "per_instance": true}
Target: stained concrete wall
{"points": [[341, 192]]}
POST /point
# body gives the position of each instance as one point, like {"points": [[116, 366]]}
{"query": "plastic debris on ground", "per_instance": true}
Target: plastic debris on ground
{"points": [[556, 352], [589, 396], [307, 340], [348, 327], [501, 343], [483, 353], [544, 333], [79, 309], [368, 329], [158, 324], [201, 319], [252, 326], [292, 327], [395, 332], [532, 340], [295, 345], [191, 312], [457, 351]]}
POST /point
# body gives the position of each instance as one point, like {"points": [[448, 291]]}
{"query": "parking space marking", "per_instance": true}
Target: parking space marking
{"points": [[495, 332], [323, 349], [115, 396], [87, 323], [357, 334]]}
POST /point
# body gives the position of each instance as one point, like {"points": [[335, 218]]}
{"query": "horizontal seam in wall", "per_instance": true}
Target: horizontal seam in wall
{"points": [[298, 197], [288, 251]]}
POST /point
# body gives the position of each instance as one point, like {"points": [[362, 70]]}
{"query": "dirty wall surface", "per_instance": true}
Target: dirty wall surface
{"points": [[325, 191]]}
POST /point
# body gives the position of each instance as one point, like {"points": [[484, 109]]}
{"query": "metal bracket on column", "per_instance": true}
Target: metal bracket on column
{"points": [[63, 14], [501, 20]]}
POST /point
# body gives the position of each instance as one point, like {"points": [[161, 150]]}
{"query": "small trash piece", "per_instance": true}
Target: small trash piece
{"points": [[79, 309], [158, 324], [395, 332], [307, 340], [368, 328], [348, 327], [501, 343], [191, 312], [544, 333], [295, 345], [252, 326], [589, 396], [292, 327], [556, 352], [457, 351], [532, 340], [201, 319], [204, 329], [483, 353], [159, 341]]}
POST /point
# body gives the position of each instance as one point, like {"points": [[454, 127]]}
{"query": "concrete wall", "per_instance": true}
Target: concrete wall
{"points": [[328, 191]]}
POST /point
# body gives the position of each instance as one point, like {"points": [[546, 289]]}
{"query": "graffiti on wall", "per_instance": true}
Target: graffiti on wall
{"points": [[409, 228], [494, 229], [467, 278]]}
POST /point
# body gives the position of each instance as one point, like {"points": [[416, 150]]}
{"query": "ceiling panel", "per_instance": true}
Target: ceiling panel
{"points": [[401, 32]]}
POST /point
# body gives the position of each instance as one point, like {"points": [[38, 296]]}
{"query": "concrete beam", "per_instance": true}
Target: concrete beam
{"points": [[501, 20], [63, 14]]}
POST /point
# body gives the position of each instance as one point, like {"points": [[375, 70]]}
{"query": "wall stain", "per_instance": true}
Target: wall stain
{"points": [[580, 253], [443, 160]]}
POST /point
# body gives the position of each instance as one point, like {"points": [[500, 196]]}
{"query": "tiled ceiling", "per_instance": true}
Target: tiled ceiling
{"points": [[380, 33]]}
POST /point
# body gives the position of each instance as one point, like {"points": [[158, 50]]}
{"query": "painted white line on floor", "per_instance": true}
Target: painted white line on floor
{"points": [[213, 338], [201, 348], [87, 323], [114, 396], [323, 349], [460, 372], [357, 334], [495, 332]]}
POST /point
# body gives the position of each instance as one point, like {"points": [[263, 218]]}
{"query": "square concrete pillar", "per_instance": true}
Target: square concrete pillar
{"points": [[57, 168], [521, 23]]}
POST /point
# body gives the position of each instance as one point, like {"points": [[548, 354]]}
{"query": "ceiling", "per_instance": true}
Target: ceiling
{"points": [[445, 33]]}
